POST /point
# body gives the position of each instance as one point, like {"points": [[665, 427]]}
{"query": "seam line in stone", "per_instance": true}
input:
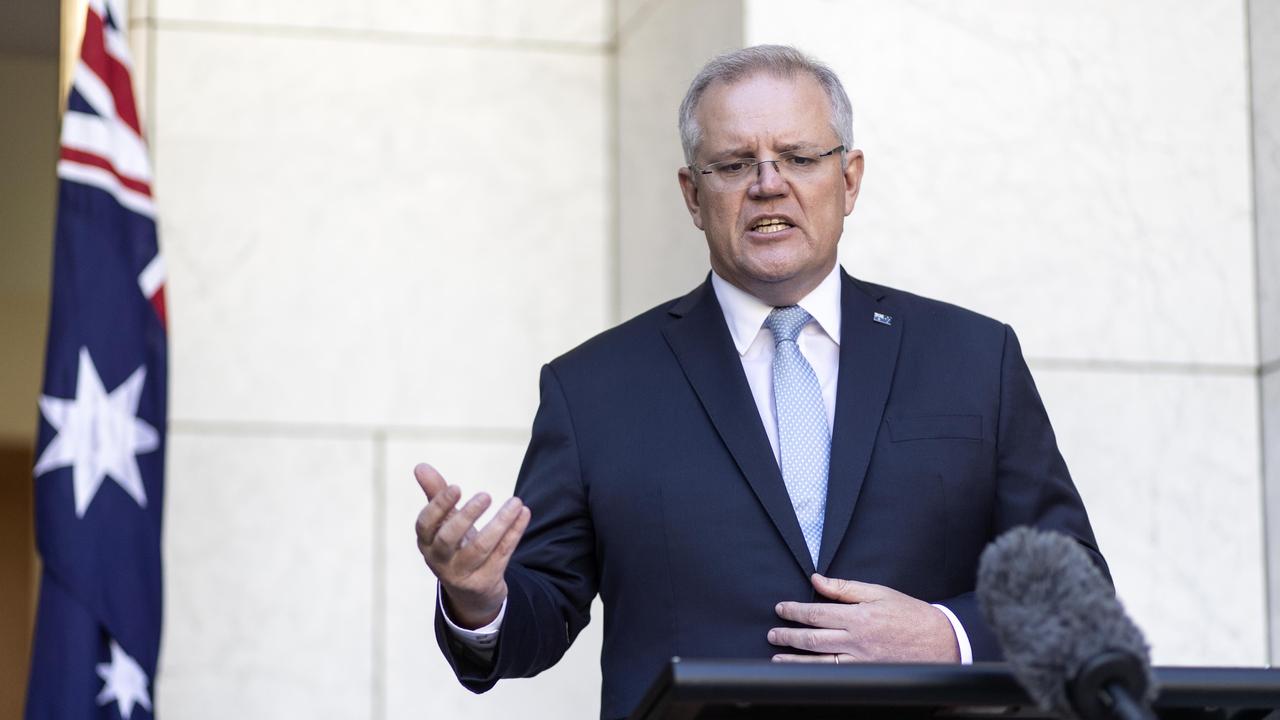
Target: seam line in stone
{"points": [[378, 644], [346, 431], [381, 36], [1146, 367]]}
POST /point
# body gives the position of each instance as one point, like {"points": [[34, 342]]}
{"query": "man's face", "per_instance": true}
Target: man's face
{"points": [[761, 117]]}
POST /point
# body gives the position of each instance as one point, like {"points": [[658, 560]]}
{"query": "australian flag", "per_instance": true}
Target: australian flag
{"points": [[99, 472]]}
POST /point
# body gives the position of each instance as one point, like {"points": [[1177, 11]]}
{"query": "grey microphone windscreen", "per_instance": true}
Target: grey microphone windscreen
{"points": [[1052, 612]]}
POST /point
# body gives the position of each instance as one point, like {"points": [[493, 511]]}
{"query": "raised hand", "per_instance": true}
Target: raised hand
{"points": [[469, 563], [869, 623]]}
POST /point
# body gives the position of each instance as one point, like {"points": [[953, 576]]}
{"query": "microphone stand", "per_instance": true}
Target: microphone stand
{"points": [[1122, 704], [1107, 688]]}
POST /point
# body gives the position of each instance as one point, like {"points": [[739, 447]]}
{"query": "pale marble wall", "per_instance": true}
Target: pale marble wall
{"points": [[379, 220], [269, 590], [661, 46], [1167, 464], [1264, 68], [1271, 461]]}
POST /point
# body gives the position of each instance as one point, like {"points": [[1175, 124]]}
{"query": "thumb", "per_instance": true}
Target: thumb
{"points": [[848, 591], [429, 479]]}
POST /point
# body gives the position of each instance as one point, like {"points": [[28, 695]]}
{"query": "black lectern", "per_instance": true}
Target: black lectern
{"points": [[754, 690]]}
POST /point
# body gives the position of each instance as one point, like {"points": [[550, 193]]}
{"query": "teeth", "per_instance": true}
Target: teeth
{"points": [[771, 225]]}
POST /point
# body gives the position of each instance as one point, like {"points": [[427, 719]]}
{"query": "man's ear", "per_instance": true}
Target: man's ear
{"points": [[852, 178], [689, 189]]}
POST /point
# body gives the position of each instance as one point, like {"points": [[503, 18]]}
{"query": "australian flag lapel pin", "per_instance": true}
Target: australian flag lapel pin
{"points": [[882, 318]]}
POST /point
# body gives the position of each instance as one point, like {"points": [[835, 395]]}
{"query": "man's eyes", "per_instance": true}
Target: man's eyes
{"points": [[741, 165]]}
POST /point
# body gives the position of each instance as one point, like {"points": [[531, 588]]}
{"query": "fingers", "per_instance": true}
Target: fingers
{"points": [[429, 479], [482, 544], [847, 591], [512, 539], [815, 640], [826, 659], [496, 562], [435, 513], [455, 527], [822, 615]]}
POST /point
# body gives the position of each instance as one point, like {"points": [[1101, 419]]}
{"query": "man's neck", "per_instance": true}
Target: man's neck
{"points": [[745, 313]]}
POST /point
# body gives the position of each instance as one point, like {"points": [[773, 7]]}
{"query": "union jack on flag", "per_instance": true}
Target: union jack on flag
{"points": [[99, 471]]}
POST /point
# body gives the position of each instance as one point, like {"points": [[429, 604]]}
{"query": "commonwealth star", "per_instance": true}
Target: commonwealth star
{"points": [[99, 434]]}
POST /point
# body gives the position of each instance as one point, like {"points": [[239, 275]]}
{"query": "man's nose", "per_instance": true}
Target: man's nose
{"points": [[768, 180]]}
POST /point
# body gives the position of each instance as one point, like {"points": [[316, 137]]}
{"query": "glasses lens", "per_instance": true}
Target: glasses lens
{"points": [[799, 164], [739, 173]]}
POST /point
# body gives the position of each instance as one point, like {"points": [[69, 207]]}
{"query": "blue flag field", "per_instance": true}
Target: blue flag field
{"points": [[99, 471]]}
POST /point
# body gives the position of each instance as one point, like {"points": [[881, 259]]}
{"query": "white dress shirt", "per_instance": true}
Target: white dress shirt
{"points": [[819, 342]]}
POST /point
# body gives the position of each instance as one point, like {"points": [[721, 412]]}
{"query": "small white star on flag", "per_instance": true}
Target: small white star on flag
{"points": [[123, 682], [99, 434]]}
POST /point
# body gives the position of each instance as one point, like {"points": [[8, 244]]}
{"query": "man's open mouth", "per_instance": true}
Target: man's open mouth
{"points": [[770, 225]]}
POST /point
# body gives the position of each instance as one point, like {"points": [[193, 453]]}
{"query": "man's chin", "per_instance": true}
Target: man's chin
{"points": [[780, 268], [780, 285]]}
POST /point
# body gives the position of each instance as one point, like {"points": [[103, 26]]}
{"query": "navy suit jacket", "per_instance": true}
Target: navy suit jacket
{"points": [[651, 481]]}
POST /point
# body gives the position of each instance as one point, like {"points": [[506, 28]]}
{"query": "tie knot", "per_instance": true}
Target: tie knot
{"points": [[785, 322]]}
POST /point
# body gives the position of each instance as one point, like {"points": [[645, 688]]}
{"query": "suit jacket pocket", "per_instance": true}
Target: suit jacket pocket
{"points": [[936, 427]]}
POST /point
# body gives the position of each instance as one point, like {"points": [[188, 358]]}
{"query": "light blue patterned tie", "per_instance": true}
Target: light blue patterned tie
{"points": [[804, 440]]}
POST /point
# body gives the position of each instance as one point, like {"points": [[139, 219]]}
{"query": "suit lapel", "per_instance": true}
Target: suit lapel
{"points": [[868, 356], [702, 345]]}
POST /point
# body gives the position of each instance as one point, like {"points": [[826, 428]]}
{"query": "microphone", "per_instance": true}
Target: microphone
{"points": [[1063, 631]]}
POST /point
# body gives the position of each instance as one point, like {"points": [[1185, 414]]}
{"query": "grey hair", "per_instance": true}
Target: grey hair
{"points": [[778, 60]]}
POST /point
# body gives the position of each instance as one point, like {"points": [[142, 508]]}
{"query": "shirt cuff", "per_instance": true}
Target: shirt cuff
{"points": [[480, 639], [962, 638]]}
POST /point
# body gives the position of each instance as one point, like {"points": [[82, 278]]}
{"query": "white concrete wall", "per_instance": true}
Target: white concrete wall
{"points": [[379, 220], [381, 217]]}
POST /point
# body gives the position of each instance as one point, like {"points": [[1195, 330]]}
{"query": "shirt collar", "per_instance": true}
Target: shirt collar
{"points": [[745, 314]]}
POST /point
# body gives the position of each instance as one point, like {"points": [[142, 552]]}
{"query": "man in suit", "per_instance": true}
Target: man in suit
{"points": [[785, 463]]}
